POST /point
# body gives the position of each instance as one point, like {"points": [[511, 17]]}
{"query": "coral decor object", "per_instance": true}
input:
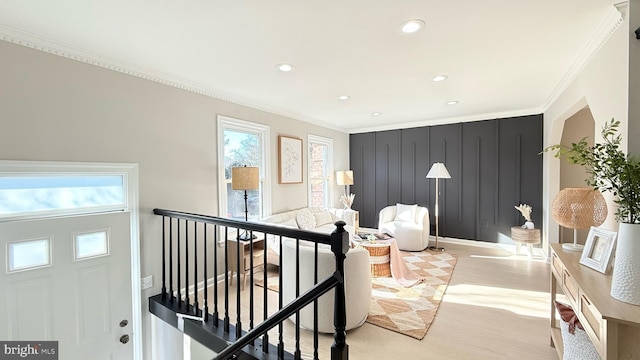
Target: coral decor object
{"points": [[347, 200], [525, 210]]}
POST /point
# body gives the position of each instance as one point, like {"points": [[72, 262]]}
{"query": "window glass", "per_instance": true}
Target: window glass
{"points": [[93, 244], [30, 254], [29, 194], [319, 169], [240, 149]]}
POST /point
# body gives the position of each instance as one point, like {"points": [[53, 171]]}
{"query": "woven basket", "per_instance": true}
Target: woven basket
{"points": [[380, 259]]}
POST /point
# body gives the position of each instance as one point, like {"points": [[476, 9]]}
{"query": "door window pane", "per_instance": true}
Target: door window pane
{"points": [[30, 254], [93, 244]]}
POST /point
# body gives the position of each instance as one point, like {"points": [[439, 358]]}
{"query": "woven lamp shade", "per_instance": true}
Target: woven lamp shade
{"points": [[579, 208]]}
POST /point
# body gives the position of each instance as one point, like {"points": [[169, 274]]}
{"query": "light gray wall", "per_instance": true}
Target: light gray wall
{"points": [[602, 86], [53, 108], [634, 77]]}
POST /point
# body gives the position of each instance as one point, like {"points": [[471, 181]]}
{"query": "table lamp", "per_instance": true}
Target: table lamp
{"points": [[345, 177], [578, 208]]}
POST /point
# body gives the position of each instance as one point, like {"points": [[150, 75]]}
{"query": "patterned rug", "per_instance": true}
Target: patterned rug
{"points": [[410, 311]]}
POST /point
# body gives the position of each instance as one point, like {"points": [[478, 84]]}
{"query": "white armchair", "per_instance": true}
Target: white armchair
{"points": [[357, 283], [408, 224]]}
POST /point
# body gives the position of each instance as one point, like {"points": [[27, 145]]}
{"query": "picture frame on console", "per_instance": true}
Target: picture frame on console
{"points": [[598, 249]]}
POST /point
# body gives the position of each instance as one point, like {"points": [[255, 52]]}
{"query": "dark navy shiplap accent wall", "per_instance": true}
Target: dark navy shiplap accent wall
{"points": [[494, 165]]}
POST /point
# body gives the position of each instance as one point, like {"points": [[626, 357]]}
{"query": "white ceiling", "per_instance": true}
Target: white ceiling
{"points": [[502, 57]]}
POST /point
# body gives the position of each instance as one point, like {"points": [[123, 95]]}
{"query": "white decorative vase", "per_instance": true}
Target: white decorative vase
{"points": [[528, 225], [625, 282]]}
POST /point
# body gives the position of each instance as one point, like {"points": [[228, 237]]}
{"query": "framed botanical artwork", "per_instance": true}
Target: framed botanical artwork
{"points": [[598, 249], [289, 160]]}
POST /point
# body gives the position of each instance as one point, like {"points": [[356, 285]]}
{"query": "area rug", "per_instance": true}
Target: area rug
{"points": [[410, 311], [272, 278]]}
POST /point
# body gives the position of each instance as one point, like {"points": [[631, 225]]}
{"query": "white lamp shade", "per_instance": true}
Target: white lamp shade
{"points": [[344, 177], [245, 178], [438, 171]]}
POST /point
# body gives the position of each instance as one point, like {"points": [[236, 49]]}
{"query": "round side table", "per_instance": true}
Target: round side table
{"points": [[522, 236], [379, 254]]}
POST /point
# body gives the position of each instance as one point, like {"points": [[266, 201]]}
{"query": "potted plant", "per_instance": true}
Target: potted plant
{"points": [[611, 170]]}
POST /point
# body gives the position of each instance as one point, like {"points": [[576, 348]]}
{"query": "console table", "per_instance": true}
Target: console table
{"points": [[613, 326]]}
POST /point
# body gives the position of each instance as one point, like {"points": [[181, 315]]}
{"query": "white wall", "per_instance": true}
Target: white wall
{"points": [[53, 108], [602, 86]]}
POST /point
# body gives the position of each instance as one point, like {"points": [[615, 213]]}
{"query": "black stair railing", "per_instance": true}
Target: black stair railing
{"points": [[190, 242]]}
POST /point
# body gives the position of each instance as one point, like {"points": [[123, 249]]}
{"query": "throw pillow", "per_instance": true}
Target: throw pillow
{"points": [[577, 345], [406, 212], [305, 220], [323, 217], [290, 223]]}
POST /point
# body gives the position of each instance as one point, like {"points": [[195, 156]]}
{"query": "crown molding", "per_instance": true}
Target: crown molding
{"points": [[608, 26], [450, 120], [54, 47]]}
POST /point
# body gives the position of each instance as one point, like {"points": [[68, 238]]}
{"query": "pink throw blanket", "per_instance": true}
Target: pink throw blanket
{"points": [[399, 269]]}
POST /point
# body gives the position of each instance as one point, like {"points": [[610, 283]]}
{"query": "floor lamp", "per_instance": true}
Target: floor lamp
{"points": [[245, 178], [438, 171], [578, 208]]}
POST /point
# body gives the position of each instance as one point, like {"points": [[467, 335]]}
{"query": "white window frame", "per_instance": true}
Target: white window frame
{"points": [[228, 123], [328, 142]]}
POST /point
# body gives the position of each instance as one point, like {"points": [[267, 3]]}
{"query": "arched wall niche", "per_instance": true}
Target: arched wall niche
{"points": [[578, 126]]}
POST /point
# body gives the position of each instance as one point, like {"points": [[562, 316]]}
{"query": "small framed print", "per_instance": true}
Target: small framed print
{"points": [[598, 249], [289, 160]]}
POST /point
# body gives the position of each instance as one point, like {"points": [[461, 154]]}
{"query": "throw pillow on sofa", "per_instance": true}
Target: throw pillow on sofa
{"points": [[290, 223], [323, 217], [406, 212], [577, 345], [305, 220]]}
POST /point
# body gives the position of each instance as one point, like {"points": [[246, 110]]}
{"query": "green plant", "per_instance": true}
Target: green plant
{"points": [[609, 169]]}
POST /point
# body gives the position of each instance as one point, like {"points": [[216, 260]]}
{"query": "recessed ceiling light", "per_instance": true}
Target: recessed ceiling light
{"points": [[285, 67], [452, 102], [411, 26], [376, 114], [344, 97], [440, 78]]}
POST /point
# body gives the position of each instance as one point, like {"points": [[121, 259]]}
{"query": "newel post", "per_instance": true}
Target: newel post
{"points": [[340, 247]]}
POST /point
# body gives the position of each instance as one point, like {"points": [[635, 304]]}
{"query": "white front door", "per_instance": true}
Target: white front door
{"points": [[68, 279]]}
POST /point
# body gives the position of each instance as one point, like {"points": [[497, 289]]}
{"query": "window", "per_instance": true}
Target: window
{"points": [[41, 195], [243, 143], [29, 254], [320, 168]]}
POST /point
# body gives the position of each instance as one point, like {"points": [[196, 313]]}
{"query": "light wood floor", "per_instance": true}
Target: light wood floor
{"points": [[496, 307]]}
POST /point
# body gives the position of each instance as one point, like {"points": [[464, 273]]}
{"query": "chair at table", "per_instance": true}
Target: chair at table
{"points": [[408, 224]]}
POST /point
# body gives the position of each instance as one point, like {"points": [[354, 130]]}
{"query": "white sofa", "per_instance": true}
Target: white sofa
{"points": [[309, 218], [408, 224], [357, 283]]}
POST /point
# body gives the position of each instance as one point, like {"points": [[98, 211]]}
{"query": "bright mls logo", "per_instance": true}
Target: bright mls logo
{"points": [[31, 350]]}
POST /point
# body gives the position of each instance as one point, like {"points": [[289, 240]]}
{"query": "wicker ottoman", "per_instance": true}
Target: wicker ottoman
{"points": [[522, 236]]}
